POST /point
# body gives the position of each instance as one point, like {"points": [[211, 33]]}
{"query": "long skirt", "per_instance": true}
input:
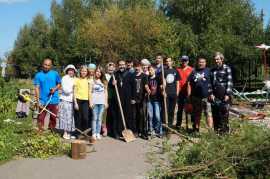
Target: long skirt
{"points": [[66, 116]]}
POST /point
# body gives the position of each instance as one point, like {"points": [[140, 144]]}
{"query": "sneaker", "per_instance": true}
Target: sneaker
{"points": [[66, 136], [72, 137], [98, 136]]}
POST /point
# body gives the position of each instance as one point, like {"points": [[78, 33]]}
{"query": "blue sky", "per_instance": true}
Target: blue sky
{"points": [[15, 13]]}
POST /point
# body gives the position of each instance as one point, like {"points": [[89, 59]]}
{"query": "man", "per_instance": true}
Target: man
{"points": [[197, 91], [47, 83], [171, 86], [122, 82], [184, 71], [220, 93], [158, 61], [139, 87], [130, 66]]}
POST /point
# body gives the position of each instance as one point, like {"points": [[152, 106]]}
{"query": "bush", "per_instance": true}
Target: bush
{"points": [[244, 153], [43, 146]]}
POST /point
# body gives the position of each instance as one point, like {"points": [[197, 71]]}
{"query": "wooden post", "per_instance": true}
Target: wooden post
{"points": [[78, 149]]}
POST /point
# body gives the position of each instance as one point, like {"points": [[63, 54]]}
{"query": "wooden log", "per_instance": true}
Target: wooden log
{"points": [[78, 149]]}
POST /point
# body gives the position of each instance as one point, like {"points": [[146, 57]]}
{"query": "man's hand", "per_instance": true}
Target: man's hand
{"points": [[106, 105], [133, 101], [212, 98], [164, 94], [52, 90], [226, 98], [114, 82]]}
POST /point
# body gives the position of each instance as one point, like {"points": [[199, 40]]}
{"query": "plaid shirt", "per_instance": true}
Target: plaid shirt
{"points": [[221, 76]]}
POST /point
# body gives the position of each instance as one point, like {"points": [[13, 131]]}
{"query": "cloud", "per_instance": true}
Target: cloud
{"points": [[13, 1]]}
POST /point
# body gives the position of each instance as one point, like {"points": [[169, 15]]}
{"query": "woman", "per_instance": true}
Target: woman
{"points": [[98, 101], [81, 99], [66, 112]]}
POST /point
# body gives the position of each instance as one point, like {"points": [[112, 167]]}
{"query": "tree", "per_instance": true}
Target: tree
{"points": [[32, 45], [124, 33]]}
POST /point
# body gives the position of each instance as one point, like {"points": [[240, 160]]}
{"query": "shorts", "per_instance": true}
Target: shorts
{"points": [[201, 105]]}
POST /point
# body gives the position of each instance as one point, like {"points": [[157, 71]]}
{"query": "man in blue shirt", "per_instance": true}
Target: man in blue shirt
{"points": [[47, 82]]}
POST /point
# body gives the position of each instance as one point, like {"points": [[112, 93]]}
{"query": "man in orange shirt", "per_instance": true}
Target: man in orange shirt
{"points": [[184, 71]]}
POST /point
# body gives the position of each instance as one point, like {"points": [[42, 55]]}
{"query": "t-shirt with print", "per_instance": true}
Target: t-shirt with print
{"points": [[171, 76], [199, 80], [154, 86], [45, 81], [138, 87], [98, 92], [81, 90]]}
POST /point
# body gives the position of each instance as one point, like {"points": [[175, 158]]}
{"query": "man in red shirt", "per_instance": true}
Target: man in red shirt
{"points": [[184, 71]]}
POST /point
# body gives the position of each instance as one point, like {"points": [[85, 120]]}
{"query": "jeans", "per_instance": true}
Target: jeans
{"points": [[153, 108], [97, 118]]}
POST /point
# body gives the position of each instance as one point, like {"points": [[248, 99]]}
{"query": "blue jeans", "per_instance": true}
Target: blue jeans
{"points": [[153, 108], [97, 118]]}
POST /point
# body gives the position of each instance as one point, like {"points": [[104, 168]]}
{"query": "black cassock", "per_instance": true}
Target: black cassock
{"points": [[124, 88]]}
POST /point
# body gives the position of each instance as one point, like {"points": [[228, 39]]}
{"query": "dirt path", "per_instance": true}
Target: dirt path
{"points": [[112, 159]]}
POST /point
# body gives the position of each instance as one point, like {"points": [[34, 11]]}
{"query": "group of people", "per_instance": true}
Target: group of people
{"points": [[148, 93]]}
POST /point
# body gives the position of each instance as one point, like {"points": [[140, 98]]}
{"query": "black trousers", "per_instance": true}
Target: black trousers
{"points": [[220, 114], [81, 116], [182, 100], [139, 122], [171, 103]]}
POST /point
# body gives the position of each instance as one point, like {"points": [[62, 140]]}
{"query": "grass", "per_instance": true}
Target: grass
{"points": [[18, 136]]}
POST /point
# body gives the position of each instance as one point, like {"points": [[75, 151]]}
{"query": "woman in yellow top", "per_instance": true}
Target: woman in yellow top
{"points": [[81, 99]]}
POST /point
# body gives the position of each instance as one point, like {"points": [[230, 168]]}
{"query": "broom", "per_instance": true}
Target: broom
{"points": [[127, 134]]}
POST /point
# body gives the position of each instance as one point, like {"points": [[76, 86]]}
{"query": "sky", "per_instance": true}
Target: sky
{"points": [[15, 13]]}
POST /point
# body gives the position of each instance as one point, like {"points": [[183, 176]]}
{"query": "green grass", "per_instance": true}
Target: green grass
{"points": [[18, 137]]}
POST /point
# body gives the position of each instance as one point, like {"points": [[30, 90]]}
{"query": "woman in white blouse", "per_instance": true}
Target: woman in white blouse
{"points": [[66, 110]]}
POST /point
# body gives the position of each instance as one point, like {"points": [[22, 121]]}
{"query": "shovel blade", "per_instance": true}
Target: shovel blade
{"points": [[128, 135]]}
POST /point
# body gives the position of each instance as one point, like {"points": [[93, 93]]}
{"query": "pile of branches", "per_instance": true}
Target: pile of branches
{"points": [[243, 153]]}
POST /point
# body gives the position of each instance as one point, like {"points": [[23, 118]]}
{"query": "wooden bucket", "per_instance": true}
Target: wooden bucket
{"points": [[78, 149]]}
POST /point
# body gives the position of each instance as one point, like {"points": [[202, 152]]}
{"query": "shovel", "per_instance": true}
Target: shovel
{"points": [[127, 134]]}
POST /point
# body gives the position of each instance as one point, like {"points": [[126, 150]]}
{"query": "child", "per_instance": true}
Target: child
{"points": [[153, 105], [81, 98], [98, 101], [66, 111]]}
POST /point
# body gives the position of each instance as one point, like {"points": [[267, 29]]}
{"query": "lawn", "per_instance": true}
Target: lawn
{"points": [[18, 137]]}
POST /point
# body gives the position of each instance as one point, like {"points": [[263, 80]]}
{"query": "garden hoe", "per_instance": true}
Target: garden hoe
{"points": [[127, 134], [27, 98]]}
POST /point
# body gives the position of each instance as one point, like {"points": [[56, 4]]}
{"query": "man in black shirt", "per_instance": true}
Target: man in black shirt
{"points": [[139, 88], [198, 84], [171, 77]]}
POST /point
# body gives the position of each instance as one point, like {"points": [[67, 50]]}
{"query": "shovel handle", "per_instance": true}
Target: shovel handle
{"points": [[120, 104]]}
